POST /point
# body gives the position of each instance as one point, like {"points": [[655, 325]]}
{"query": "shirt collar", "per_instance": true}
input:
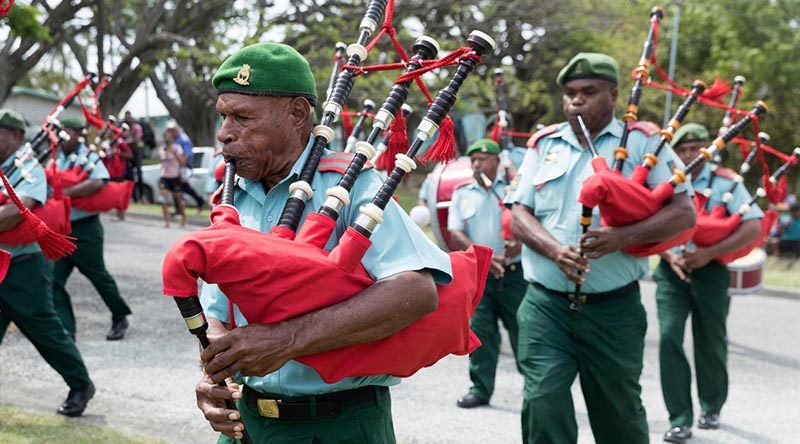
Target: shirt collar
{"points": [[614, 128], [703, 176]]}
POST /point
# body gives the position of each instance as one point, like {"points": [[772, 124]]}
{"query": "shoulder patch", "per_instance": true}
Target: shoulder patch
{"points": [[725, 173], [648, 128], [338, 163], [546, 131]]}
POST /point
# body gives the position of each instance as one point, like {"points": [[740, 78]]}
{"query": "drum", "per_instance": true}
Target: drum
{"points": [[444, 179], [747, 272]]}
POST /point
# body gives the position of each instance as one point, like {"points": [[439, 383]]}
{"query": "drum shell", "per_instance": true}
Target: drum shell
{"points": [[746, 274], [445, 178]]}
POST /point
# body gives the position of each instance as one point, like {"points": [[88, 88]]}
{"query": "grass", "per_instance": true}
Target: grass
{"points": [[19, 426], [777, 272], [782, 273]]}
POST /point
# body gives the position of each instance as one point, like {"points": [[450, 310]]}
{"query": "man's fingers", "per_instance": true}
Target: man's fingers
{"points": [[218, 346]]}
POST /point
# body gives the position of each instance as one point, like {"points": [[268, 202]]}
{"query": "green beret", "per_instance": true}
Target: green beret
{"points": [[72, 122], [266, 69], [691, 132], [589, 65], [487, 146], [11, 119]]}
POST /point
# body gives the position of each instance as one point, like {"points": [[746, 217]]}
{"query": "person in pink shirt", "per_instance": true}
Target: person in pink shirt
{"points": [[171, 160]]}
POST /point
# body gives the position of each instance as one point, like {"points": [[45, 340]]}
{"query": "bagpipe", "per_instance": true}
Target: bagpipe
{"points": [[293, 265], [113, 195], [46, 224]]}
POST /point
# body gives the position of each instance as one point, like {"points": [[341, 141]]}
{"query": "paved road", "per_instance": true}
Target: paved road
{"points": [[145, 382]]}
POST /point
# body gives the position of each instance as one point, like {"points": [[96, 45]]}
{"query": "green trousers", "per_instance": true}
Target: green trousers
{"points": [[26, 299], [708, 301], [88, 257], [367, 424], [604, 344], [501, 299]]}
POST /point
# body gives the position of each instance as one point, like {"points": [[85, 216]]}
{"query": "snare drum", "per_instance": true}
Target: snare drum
{"points": [[445, 178], [747, 272]]}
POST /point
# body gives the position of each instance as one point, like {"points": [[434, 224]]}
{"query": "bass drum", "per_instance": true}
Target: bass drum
{"points": [[444, 179], [747, 272]]}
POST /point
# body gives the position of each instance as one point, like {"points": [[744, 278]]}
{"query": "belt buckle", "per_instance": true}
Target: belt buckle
{"points": [[582, 298], [268, 408]]}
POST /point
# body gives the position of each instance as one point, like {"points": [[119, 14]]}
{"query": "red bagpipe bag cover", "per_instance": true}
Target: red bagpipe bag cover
{"points": [[296, 276], [5, 261], [113, 195], [623, 201], [714, 226], [54, 213]]}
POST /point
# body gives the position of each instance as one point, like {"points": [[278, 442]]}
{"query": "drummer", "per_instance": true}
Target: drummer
{"points": [[475, 217], [693, 282]]}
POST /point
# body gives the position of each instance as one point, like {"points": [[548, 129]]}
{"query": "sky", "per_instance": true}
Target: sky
{"points": [[145, 103]]}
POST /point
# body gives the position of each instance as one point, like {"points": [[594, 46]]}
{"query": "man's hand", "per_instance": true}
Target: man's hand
{"points": [[678, 264], [253, 350], [497, 268], [211, 401], [513, 249], [698, 258], [569, 261], [599, 242]]}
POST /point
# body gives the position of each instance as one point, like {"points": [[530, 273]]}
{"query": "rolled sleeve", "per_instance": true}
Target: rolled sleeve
{"points": [[742, 197], [454, 219], [398, 244], [523, 191]]}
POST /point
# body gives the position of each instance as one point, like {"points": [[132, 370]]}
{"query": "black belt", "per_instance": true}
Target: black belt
{"points": [[593, 298], [514, 266], [310, 407], [86, 219], [23, 257]]}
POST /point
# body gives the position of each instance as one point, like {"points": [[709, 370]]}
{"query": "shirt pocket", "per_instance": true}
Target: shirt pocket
{"points": [[550, 181]]}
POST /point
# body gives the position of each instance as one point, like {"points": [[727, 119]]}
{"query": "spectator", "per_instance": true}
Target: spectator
{"points": [[171, 160], [133, 137], [186, 170], [789, 245]]}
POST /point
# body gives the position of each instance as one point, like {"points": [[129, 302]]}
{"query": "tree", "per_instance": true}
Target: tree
{"points": [[34, 30]]}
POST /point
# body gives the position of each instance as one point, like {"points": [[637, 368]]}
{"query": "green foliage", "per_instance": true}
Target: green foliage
{"points": [[23, 20]]}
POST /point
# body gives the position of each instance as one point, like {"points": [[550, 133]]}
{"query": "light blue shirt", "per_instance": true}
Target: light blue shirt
{"points": [[549, 182], [516, 154], [34, 188], [476, 212], [83, 156], [721, 185], [398, 245]]}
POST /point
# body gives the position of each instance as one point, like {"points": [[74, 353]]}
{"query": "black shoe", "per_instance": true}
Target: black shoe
{"points": [[708, 421], [76, 401], [471, 400], [678, 434], [118, 329]]}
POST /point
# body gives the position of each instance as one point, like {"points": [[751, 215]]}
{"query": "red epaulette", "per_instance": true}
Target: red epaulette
{"points": [[546, 131], [217, 152], [725, 173], [649, 128], [337, 162]]}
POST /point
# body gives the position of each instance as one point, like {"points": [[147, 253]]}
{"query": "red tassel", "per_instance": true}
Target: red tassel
{"points": [[347, 124], [444, 148], [398, 141], [496, 132], [718, 89], [54, 246]]}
